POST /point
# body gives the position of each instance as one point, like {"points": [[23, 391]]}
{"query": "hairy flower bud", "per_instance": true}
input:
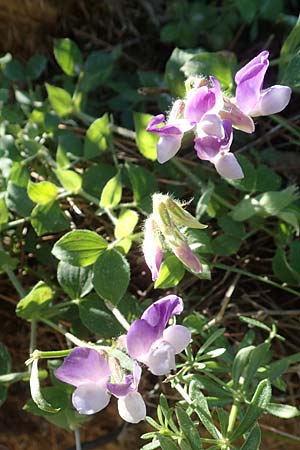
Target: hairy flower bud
{"points": [[152, 247]]}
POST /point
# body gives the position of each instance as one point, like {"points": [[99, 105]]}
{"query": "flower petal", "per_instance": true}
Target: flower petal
{"points": [[83, 365], [238, 119], [159, 313], [161, 360], [249, 82], [212, 125], [121, 389], [199, 102], [132, 408], [207, 147], [273, 100], [164, 130], [184, 252], [152, 247], [243, 73], [90, 398], [178, 336], [228, 167], [167, 147], [140, 337]]}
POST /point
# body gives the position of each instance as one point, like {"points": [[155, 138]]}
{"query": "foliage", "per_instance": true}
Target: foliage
{"points": [[76, 190]]}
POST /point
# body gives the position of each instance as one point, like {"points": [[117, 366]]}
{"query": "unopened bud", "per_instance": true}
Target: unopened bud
{"points": [[152, 247], [184, 253], [181, 216]]}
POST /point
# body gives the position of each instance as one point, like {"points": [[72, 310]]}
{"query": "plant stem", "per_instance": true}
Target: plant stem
{"points": [[232, 417], [53, 354], [118, 315], [14, 377], [77, 439], [69, 336], [13, 278], [14, 223], [89, 197], [256, 277]]}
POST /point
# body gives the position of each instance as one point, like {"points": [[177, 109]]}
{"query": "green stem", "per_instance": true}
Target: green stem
{"points": [[52, 354], [14, 377], [198, 182], [232, 417], [61, 330], [89, 197], [118, 315], [256, 277], [14, 223]]}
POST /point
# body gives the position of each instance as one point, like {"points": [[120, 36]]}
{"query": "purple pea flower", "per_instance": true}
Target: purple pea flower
{"points": [[170, 133], [131, 405], [251, 98], [203, 100], [216, 149], [88, 371], [151, 342], [152, 247]]}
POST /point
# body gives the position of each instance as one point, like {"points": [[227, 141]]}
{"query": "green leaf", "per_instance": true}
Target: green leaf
{"points": [[282, 411], [254, 323], [127, 221], [97, 69], [35, 66], [35, 390], [112, 192], [259, 402], [273, 202], [289, 51], [283, 269], [61, 100], [188, 429], [69, 149], [97, 137], [111, 276], [70, 180], [257, 358], [166, 443], [5, 367], [97, 318], [49, 218], [58, 397], [3, 211], [170, 274], [225, 245], [14, 70], [201, 408], [219, 64], [247, 208], [79, 247], [75, 281], [145, 141], [43, 192], [68, 56], [35, 303], [143, 184], [247, 10], [95, 178], [174, 77], [240, 363], [252, 441], [7, 260], [18, 200]]}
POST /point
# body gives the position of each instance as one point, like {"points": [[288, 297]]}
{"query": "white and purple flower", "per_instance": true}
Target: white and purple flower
{"points": [[131, 405], [89, 372], [251, 98], [211, 116], [151, 342]]}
